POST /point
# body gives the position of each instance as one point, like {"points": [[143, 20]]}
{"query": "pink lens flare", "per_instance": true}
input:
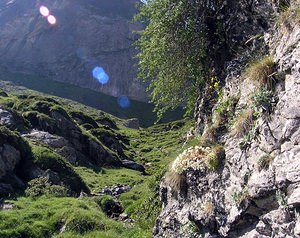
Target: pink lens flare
{"points": [[44, 11], [51, 19]]}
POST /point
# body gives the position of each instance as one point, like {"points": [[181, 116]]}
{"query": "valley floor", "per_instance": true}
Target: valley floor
{"points": [[116, 202]]}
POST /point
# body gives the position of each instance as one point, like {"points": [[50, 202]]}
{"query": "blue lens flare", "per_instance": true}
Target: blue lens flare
{"points": [[100, 75], [124, 101]]}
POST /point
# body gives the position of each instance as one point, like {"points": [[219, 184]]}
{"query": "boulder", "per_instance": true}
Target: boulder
{"points": [[133, 123], [133, 165]]}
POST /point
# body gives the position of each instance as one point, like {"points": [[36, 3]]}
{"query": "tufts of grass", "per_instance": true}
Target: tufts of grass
{"points": [[243, 123], [214, 158], [261, 70], [264, 162], [288, 19], [41, 186], [175, 180]]}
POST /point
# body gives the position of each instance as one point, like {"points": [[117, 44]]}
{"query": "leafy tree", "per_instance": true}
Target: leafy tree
{"points": [[172, 52]]}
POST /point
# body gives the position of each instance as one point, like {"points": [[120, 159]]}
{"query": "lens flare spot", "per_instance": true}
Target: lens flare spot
{"points": [[124, 101], [51, 19], [100, 75], [44, 11]]}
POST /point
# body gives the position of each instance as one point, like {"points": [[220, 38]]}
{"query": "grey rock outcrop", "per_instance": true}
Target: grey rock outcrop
{"points": [[12, 119], [87, 34], [255, 191], [6, 118], [67, 138], [132, 123], [9, 157], [13, 150]]}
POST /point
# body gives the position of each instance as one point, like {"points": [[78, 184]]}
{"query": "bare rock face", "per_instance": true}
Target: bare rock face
{"points": [[87, 34], [13, 150], [9, 157], [256, 190]]}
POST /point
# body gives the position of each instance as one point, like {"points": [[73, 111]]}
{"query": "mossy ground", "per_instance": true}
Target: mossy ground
{"points": [[49, 216]]}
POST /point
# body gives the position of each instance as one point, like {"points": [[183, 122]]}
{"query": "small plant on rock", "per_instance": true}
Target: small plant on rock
{"points": [[190, 158], [263, 101], [264, 162], [239, 196], [213, 158], [189, 230], [175, 180], [281, 199], [289, 18], [226, 108], [246, 141]]}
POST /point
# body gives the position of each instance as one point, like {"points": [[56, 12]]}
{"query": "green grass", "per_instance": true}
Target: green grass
{"points": [[96, 180], [45, 217], [47, 159], [158, 144]]}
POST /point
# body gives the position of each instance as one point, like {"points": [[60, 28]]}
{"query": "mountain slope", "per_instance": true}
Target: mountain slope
{"points": [[87, 34], [135, 109], [68, 170]]}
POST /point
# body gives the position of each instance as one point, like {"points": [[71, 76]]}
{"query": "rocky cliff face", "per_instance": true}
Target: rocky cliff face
{"points": [[87, 34], [252, 190]]}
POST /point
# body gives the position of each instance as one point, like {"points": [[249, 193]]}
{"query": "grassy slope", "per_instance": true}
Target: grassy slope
{"points": [[142, 111], [44, 216]]}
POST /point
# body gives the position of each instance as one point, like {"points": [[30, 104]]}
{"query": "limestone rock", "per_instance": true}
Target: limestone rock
{"points": [[255, 192]]}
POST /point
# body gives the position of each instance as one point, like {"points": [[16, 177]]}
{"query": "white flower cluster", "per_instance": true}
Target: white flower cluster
{"points": [[193, 157]]}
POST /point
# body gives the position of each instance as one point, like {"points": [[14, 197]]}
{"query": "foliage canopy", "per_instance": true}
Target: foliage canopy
{"points": [[172, 52]]}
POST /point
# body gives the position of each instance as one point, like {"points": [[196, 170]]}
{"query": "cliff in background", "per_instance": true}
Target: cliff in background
{"points": [[87, 34], [242, 180]]}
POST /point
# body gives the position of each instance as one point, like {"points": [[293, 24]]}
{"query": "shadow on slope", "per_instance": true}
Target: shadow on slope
{"points": [[142, 111]]}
